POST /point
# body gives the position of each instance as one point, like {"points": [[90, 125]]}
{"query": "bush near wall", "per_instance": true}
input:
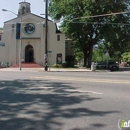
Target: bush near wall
{"points": [[64, 64], [5, 64], [56, 65], [70, 61]]}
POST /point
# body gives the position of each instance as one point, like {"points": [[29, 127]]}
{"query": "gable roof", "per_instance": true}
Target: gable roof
{"points": [[27, 14], [57, 31]]}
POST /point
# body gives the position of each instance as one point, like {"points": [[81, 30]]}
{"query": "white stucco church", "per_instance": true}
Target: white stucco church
{"points": [[33, 39]]}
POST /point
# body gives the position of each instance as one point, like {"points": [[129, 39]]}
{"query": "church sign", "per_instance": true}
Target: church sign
{"points": [[59, 58]]}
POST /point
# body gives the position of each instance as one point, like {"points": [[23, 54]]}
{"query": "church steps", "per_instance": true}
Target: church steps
{"points": [[27, 65]]}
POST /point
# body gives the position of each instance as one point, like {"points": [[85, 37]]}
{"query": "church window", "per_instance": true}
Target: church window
{"points": [[66, 45], [58, 37]]}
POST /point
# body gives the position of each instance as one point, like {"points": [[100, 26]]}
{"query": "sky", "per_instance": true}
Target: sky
{"points": [[37, 7]]}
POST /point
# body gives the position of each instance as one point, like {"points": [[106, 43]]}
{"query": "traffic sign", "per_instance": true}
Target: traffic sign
{"points": [[49, 51]]}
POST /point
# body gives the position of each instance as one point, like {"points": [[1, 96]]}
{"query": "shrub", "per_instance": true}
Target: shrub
{"points": [[64, 64], [70, 61], [56, 66], [126, 57], [70, 64], [7, 64]]}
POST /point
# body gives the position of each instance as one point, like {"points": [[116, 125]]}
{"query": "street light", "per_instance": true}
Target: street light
{"points": [[20, 48]]}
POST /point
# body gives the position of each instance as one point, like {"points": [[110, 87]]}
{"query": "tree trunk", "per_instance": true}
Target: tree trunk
{"points": [[85, 57], [90, 55]]}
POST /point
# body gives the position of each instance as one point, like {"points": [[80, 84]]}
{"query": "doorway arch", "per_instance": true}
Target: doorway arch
{"points": [[29, 53]]}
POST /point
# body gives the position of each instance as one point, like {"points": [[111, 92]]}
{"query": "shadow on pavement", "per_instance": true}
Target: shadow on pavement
{"points": [[42, 105], [124, 69]]}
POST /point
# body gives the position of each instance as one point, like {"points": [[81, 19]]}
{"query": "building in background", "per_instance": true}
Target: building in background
{"points": [[33, 39]]}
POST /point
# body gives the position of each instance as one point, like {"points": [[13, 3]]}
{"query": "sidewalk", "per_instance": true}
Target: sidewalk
{"points": [[122, 69], [49, 69]]}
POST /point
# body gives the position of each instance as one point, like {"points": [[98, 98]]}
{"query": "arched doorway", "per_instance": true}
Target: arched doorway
{"points": [[29, 53]]}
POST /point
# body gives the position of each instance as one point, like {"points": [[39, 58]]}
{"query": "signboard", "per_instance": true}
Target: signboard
{"points": [[59, 58], [2, 44], [18, 29], [49, 51]]}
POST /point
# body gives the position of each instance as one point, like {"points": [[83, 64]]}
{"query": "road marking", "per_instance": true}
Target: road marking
{"points": [[67, 90], [83, 79], [41, 87], [82, 91]]}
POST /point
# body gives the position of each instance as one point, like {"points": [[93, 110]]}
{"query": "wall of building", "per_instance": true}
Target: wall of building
{"points": [[3, 49], [54, 45], [9, 37], [10, 53]]}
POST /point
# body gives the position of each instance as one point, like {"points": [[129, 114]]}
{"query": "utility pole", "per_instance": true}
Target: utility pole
{"points": [[20, 46], [46, 32]]}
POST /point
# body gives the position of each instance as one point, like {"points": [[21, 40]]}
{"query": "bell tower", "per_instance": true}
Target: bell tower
{"points": [[24, 8]]}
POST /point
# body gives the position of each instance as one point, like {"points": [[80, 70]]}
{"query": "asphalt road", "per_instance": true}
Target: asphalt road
{"points": [[64, 100]]}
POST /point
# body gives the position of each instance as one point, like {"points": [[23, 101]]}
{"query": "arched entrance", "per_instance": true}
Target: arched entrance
{"points": [[29, 53]]}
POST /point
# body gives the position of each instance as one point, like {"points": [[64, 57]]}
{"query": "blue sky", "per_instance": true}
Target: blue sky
{"points": [[37, 7]]}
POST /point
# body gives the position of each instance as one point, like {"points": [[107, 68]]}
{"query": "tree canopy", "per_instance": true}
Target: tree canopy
{"points": [[82, 22], [126, 57]]}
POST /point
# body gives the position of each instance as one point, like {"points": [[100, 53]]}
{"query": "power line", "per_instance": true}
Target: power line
{"points": [[102, 23], [126, 24], [100, 15], [89, 17]]}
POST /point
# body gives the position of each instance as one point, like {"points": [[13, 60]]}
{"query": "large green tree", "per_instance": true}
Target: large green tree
{"points": [[126, 57], [118, 41], [84, 30], [99, 54]]}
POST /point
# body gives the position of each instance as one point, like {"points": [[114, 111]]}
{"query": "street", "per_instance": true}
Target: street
{"points": [[64, 100]]}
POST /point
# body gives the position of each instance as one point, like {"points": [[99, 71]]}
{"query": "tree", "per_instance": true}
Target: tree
{"points": [[126, 57], [117, 42], [78, 55], [88, 31], [99, 53]]}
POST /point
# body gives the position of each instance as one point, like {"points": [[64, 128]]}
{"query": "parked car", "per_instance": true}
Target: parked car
{"points": [[101, 65], [112, 65]]}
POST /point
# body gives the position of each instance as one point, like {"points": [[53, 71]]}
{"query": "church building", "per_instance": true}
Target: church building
{"points": [[32, 43]]}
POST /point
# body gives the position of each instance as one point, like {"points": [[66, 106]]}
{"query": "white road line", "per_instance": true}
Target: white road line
{"points": [[82, 91], [69, 90], [83, 79]]}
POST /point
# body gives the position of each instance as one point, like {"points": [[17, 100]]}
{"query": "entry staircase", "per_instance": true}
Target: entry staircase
{"points": [[27, 65]]}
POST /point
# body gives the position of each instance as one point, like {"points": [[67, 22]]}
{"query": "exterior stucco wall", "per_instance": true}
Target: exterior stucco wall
{"points": [[54, 45], [36, 44], [3, 49], [10, 53], [37, 24]]}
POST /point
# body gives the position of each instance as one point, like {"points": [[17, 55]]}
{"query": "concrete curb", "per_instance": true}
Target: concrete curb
{"points": [[51, 70]]}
